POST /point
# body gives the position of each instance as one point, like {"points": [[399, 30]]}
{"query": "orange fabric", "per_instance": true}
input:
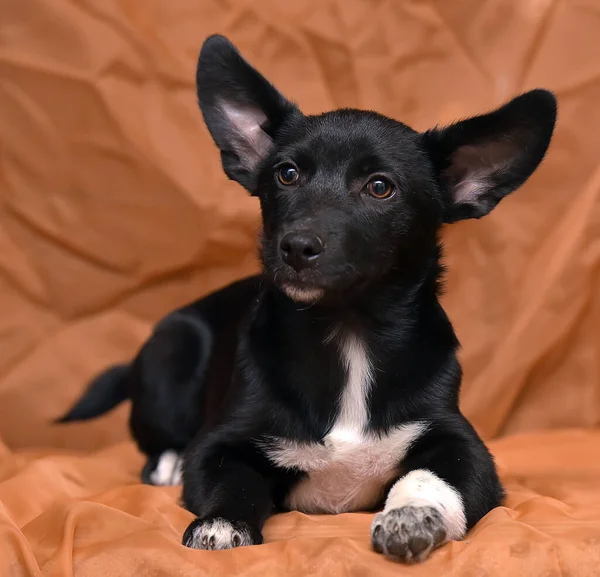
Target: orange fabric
{"points": [[114, 210], [86, 514]]}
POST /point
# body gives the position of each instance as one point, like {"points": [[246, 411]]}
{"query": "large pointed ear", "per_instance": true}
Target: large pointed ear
{"points": [[480, 160], [240, 107]]}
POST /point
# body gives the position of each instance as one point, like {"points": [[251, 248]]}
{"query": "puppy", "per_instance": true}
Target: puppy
{"points": [[330, 383]]}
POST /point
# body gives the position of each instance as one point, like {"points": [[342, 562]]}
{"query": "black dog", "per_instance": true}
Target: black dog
{"points": [[330, 383]]}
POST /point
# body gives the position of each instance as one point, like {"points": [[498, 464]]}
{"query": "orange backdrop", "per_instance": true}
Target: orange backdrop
{"points": [[114, 210]]}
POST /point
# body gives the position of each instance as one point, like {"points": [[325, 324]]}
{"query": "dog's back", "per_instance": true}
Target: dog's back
{"points": [[178, 381]]}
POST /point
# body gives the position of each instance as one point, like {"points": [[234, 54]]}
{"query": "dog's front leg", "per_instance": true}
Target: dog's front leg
{"points": [[450, 483], [231, 499]]}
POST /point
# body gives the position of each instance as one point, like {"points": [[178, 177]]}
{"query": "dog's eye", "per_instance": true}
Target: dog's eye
{"points": [[287, 174], [380, 188]]}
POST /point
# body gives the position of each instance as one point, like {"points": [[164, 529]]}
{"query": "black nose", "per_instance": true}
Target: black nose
{"points": [[300, 249]]}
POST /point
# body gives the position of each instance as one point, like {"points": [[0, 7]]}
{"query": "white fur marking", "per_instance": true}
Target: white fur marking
{"points": [[217, 534], [301, 295], [168, 470], [345, 473], [350, 468], [353, 415], [423, 488]]}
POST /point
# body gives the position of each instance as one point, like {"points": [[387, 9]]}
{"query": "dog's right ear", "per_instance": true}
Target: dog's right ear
{"points": [[242, 110]]}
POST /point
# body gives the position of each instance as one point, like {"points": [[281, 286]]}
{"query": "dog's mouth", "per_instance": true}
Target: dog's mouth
{"points": [[302, 293], [301, 287], [310, 287]]}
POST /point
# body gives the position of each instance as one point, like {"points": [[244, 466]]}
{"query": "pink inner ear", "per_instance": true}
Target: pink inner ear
{"points": [[468, 191], [472, 166], [250, 141]]}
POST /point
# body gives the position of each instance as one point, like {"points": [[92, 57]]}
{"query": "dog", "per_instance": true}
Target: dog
{"points": [[330, 382]]}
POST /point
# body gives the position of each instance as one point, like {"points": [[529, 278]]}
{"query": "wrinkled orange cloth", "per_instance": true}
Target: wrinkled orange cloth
{"points": [[86, 514], [114, 210]]}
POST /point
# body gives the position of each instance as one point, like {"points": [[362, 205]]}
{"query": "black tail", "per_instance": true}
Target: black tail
{"points": [[104, 393]]}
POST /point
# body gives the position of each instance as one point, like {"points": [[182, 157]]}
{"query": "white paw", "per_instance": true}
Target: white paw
{"points": [[168, 469], [408, 534], [218, 533]]}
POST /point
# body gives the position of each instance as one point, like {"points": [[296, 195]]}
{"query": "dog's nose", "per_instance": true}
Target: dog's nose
{"points": [[300, 249]]}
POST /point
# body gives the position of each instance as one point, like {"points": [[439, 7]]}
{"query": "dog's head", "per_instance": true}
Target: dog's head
{"points": [[350, 195]]}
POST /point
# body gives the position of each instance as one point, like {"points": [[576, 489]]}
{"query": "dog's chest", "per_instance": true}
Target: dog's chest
{"points": [[348, 471], [350, 468]]}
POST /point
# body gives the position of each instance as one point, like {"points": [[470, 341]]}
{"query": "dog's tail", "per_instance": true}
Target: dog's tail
{"points": [[104, 393]]}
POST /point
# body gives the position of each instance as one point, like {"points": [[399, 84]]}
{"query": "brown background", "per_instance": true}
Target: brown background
{"points": [[114, 210]]}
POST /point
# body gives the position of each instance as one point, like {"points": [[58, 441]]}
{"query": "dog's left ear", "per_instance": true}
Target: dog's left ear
{"points": [[482, 159], [241, 108]]}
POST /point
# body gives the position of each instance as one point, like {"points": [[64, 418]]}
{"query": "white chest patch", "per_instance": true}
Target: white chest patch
{"points": [[350, 469]]}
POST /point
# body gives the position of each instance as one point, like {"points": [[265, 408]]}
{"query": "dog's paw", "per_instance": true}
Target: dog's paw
{"points": [[164, 470], [408, 534], [218, 533]]}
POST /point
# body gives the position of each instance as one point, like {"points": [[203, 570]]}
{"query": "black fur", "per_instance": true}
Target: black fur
{"points": [[250, 363], [175, 380], [104, 393]]}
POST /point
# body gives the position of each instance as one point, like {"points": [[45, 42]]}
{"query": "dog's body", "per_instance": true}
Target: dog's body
{"points": [[329, 383], [179, 379]]}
